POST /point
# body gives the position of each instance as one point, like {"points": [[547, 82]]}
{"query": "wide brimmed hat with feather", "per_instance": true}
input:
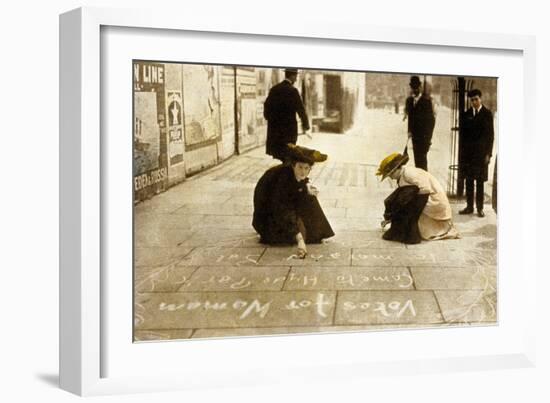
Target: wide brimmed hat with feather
{"points": [[304, 154]]}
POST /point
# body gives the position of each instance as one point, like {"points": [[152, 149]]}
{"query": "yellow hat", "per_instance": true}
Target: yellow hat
{"points": [[391, 163]]}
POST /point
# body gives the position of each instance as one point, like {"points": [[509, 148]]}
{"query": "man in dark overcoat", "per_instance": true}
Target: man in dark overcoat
{"points": [[421, 121], [476, 148], [280, 108]]}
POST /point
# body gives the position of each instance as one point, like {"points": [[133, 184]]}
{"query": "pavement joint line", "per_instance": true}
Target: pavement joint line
{"points": [[335, 307], [382, 326], [183, 257], [261, 255], [439, 307], [286, 278], [396, 290], [413, 279], [189, 279]]}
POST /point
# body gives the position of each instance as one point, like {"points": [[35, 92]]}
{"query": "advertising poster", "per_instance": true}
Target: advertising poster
{"points": [[149, 130], [202, 105], [175, 127], [227, 91], [247, 110]]}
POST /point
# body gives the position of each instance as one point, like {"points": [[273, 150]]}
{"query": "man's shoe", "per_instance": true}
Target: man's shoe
{"points": [[467, 210], [480, 213]]}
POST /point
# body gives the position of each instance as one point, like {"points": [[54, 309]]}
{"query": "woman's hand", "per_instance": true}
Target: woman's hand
{"points": [[312, 190]]}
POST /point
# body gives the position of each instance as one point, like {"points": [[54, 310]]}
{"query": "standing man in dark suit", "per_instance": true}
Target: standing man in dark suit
{"points": [[476, 150], [421, 121], [280, 108]]}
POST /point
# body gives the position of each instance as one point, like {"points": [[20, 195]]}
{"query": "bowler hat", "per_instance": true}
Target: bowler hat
{"points": [[391, 163], [304, 154], [415, 82], [291, 70]]}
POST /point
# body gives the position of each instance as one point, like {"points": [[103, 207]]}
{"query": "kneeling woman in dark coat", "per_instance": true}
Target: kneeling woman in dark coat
{"points": [[286, 209]]}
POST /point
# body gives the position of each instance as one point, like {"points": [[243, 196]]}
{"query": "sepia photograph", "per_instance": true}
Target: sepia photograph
{"points": [[276, 200]]}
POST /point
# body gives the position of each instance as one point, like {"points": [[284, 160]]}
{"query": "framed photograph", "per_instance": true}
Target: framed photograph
{"points": [[319, 199]]}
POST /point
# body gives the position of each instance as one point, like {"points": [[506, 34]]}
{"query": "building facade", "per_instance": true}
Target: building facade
{"points": [[190, 117]]}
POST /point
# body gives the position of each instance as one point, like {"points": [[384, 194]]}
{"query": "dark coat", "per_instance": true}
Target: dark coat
{"points": [[403, 208], [279, 202], [280, 108], [476, 143], [421, 120]]}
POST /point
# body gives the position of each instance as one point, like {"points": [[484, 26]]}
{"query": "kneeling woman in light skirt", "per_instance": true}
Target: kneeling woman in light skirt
{"points": [[418, 209]]}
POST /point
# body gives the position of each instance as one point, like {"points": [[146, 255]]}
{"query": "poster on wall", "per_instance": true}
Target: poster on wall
{"points": [[202, 105], [146, 133], [175, 127], [228, 100], [247, 110], [227, 111], [263, 84], [149, 130]]}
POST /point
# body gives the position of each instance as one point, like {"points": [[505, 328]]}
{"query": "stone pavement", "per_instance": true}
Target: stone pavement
{"points": [[201, 272]]}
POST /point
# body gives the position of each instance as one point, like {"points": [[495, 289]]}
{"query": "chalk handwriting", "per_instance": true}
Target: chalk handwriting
{"points": [[247, 309], [391, 309]]}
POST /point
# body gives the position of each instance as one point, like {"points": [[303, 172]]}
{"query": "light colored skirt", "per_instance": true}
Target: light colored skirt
{"points": [[432, 230]]}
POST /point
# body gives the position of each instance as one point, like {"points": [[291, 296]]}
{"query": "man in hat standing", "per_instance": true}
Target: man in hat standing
{"points": [[421, 121], [280, 108], [476, 149]]}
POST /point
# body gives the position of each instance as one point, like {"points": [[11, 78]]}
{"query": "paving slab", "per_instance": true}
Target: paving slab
{"points": [[196, 196], [346, 278], [465, 242], [230, 209], [370, 205], [327, 201], [266, 331], [233, 309], [439, 257], [155, 256], [355, 224], [216, 222], [386, 307], [453, 278], [161, 279], [156, 221], [334, 212], [159, 335], [363, 239], [365, 212], [167, 237], [242, 200], [468, 306], [239, 237], [228, 278], [222, 256], [157, 205], [318, 255]]}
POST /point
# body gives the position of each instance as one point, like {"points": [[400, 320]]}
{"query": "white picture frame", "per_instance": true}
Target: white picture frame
{"points": [[85, 347]]}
